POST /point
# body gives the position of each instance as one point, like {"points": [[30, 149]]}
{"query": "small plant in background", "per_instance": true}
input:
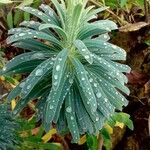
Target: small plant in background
{"points": [[16, 134], [72, 67], [31, 137], [10, 16], [117, 119], [125, 12], [8, 129]]}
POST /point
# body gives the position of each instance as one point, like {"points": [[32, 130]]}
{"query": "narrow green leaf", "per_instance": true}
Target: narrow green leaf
{"points": [[84, 51], [52, 103], [17, 17], [59, 67], [60, 12], [21, 59], [92, 142], [36, 75], [29, 34], [123, 3], [94, 12], [26, 16], [37, 13], [77, 15], [83, 80], [71, 118], [58, 30], [65, 90], [25, 3], [10, 20], [51, 13], [84, 120]]}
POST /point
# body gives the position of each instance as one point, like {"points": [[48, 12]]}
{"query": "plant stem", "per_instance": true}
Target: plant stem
{"points": [[146, 7], [100, 142]]}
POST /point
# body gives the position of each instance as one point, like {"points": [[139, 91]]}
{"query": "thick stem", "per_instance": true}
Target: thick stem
{"points": [[100, 142]]}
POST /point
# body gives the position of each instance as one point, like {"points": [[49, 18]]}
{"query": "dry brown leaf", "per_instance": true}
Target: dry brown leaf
{"points": [[135, 77], [147, 87], [35, 131], [133, 27]]}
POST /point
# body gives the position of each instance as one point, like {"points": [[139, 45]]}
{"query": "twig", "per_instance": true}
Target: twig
{"points": [[149, 124], [122, 22], [146, 11]]}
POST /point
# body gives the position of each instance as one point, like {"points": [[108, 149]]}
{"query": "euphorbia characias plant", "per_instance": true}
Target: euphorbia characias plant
{"points": [[73, 69]]}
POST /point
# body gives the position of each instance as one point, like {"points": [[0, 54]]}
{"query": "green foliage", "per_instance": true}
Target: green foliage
{"points": [[16, 134], [30, 141], [116, 117], [8, 127], [92, 140], [114, 4], [12, 17], [2, 60], [73, 73], [23, 3]]}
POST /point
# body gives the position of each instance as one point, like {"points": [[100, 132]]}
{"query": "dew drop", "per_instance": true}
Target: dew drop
{"points": [[98, 95], [72, 118], [55, 77], [32, 22], [68, 109], [22, 84], [40, 13], [91, 80], [83, 50], [57, 67], [60, 59], [29, 33], [106, 100], [105, 36], [97, 118], [87, 56], [83, 79], [37, 56], [4, 69], [22, 34], [95, 85], [55, 83], [39, 72], [70, 81], [28, 87], [51, 107]]}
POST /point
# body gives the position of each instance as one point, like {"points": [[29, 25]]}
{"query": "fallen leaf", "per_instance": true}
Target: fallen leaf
{"points": [[135, 77], [109, 129], [35, 131], [147, 87], [48, 135], [133, 27], [119, 124], [82, 140], [13, 104], [2, 78]]}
